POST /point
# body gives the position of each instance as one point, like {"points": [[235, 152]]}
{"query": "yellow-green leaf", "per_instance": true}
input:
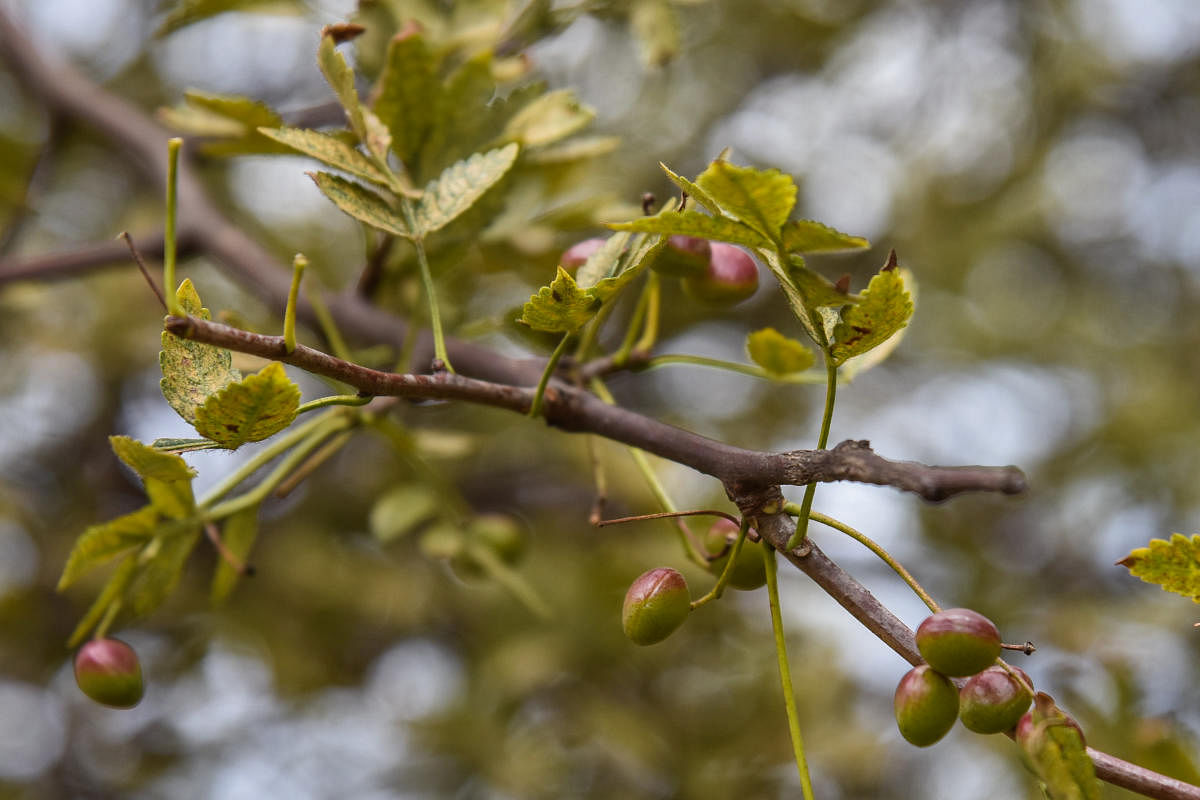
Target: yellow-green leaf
{"points": [[250, 113], [818, 291], [409, 95], [885, 308], [328, 150], [112, 592], [149, 462], [192, 370], [238, 535], [100, 543], [1174, 565], [465, 117], [693, 191], [258, 406], [360, 203], [577, 149], [561, 307], [161, 563], [341, 78], [807, 236], [695, 223], [550, 118], [644, 249], [603, 263], [186, 12], [401, 511], [460, 186], [657, 30], [762, 199], [1059, 755], [778, 354]]}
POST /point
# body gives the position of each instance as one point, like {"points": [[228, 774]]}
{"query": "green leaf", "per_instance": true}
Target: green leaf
{"points": [[602, 263], [807, 236], [238, 535], [192, 370], [657, 31], [328, 150], [148, 462], [341, 78], [252, 114], [778, 354], [100, 543], [409, 95], [695, 223], [762, 199], [577, 149], [693, 191], [818, 291], [361, 203], [885, 308], [465, 117], [550, 118], [113, 592], [460, 186], [561, 307], [251, 410], [401, 511], [161, 563], [1059, 754], [186, 12], [873, 358], [1173, 565], [644, 250]]}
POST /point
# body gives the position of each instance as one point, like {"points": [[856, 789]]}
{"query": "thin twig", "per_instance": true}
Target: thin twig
{"points": [[141, 265]]}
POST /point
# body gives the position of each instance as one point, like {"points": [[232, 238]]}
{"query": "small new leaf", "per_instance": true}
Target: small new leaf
{"points": [[818, 291], [192, 370], [550, 118], [409, 95], [361, 203], [251, 410], [460, 186], [604, 262], [657, 30], [885, 308], [161, 563], [401, 511], [1059, 754], [166, 476], [250, 113], [561, 307], [100, 543], [806, 236], [689, 188], [341, 78], [778, 354], [762, 199], [328, 150], [694, 223], [1174, 565], [645, 248], [238, 535]]}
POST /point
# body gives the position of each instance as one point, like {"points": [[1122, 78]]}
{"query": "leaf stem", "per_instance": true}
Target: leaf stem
{"points": [[328, 325], [635, 324], [719, 587], [822, 441], [535, 408], [169, 238], [650, 332], [507, 577], [110, 616], [785, 673], [289, 313], [808, 377], [435, 315], [335, 400]]}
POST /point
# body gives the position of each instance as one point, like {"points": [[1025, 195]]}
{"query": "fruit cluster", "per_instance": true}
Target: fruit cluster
{"points": [[716, 273], [958, 643]]}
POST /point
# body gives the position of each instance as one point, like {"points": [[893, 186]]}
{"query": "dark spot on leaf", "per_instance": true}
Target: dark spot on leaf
{"points": [[891, 261], [557, 297]]}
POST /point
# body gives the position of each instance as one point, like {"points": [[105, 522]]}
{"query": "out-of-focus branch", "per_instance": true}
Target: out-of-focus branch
{"points": [[71, 263]]}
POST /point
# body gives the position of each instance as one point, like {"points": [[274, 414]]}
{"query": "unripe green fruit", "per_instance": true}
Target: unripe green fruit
{"points": [[577, 254], [926, 705], [683, 256], [992, 701], [731, 277], [108, 671], [958, 642], [749, 569], [656, 604]]}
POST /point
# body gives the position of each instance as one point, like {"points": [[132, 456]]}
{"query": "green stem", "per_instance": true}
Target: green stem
{"points": [[110, 616], [822, 441], [874, 547], [587, 341], [807, 378], [635, 324], [785, 673], [535, 408], [289, 313], [435, 315], [329, 326], [335, 400], [169, 238], [650, 332], [723, 581], [507, 577]]}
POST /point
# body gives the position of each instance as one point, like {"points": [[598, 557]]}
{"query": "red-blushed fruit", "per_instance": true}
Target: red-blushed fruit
{"points": [[108, 671], [577, 254], [731, 277], [926, 705], [749, 569], [683, 256], [958, 642], [656, 604], [992, 701]]}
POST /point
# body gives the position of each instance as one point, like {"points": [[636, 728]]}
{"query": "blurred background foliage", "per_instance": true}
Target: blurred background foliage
{"points": [[1035, 164]]}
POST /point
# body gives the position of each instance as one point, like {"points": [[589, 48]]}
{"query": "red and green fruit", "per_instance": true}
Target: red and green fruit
{"points": [[926, 705], [749, 569], [958, 642], [731, 277], [108, 671], [993, 701], [683, 256], [656, 604]]}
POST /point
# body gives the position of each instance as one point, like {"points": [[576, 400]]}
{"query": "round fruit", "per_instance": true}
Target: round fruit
{"points": [[683, 256], [108, 671], [992, 701], [926, 705], [731, 277], [577, 254], [656, 604], [749, 569], [958, 642]]}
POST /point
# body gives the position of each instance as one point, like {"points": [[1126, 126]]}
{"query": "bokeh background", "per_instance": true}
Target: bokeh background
{"points": [[1035, 164]]}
